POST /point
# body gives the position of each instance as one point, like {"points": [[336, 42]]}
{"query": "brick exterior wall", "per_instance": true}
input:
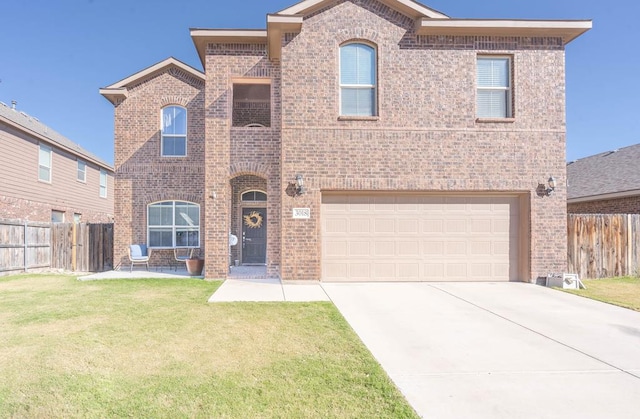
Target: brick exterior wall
{"points": [[425, 139], [627, 205], [142, 175], [24, 209]]}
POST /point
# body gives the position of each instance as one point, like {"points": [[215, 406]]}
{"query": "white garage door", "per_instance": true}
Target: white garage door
{"points": [[419, 238]]}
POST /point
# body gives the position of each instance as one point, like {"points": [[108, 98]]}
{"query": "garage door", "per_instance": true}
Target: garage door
{"points": [[419, 238]]}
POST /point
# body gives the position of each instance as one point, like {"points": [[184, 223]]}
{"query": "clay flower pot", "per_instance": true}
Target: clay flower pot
{"points": [[194, 266]]}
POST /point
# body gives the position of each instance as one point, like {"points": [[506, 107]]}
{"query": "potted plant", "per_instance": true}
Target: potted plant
{"points": [[195, 264]]}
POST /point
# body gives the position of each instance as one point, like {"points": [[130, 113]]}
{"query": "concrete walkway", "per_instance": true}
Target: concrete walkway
{"points": [[508, 350], [248, 289]]}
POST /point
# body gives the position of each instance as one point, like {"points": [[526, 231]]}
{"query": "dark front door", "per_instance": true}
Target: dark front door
{"points": [[254, 235]]}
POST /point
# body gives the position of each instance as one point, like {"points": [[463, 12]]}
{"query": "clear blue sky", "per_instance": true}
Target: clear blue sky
{"points": [[56, 54]]}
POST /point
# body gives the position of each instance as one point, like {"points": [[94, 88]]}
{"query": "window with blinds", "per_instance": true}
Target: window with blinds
{"points": [[358, 80], [494, 87]]}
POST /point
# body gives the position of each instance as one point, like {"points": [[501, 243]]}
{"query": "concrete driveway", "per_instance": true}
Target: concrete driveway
{"points": [[498, 350]]}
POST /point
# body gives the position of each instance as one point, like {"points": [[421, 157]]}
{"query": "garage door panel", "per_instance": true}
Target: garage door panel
{"points": [[419, 237], [432, 226], [384, 225], [359, 225]]}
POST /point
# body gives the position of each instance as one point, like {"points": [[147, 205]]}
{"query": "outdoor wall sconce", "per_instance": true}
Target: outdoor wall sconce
{"points": [[299, 185], [552, 186]]}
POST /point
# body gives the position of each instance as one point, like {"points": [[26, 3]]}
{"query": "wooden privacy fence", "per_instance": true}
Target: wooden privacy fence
{"points": [[28, 245], [603, 245]]}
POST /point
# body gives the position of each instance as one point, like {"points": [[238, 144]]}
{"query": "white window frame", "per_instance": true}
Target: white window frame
{"points": [[508, 90], [46, 149], [83, 164], [175, 228], [373, 87], [60, 213], [103, 183], [174, 136]]}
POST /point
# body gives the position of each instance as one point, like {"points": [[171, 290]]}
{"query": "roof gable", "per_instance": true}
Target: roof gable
{"points": [[118, 91], [605, 174], [409, 7]]}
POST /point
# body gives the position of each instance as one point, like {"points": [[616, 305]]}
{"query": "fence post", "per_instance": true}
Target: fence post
{"points": [[74, 244], [24, 256]]}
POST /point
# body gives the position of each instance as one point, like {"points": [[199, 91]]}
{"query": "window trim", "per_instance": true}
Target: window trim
{"points": [[510, 105], [84, 171], [104, 175], [376, 111], [173, 226], [49, 150], [163, 135]]}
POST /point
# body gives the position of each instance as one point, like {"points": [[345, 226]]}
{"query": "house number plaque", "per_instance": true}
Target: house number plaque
{"points": [[302, 213]]}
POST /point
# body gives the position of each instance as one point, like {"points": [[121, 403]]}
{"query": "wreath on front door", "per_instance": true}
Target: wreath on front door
{"points": [[253, 219]]}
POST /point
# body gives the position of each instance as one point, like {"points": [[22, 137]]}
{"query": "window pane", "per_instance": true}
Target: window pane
{"points": [[492, 103], [493, 72], [57, 216], [174, 146], [44, 156], [43, 173], [261, 196], [82, 170], [160, 238], [358, 102], [187, 238], [357, 64], [174, 120]]}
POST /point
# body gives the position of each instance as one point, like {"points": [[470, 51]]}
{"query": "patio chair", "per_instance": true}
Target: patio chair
{"points": [[138, 254], [183, 254]]}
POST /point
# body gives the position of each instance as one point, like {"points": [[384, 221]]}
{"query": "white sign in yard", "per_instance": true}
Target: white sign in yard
{"points": [[302, 213]]}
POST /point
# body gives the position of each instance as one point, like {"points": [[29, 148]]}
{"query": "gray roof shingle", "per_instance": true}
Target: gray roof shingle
{"points": [[605, 173], [30, 123]]}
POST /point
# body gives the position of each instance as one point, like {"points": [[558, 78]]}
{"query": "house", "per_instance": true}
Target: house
{"points": [[46, 177], [352, 140], [607, 183]]}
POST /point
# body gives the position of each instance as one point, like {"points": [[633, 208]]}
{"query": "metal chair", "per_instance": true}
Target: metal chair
{"points": [[183, 254], [139, 254]]}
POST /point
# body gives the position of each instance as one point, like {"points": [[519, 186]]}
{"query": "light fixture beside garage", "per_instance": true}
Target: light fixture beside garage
{"points": [[551, 187]]}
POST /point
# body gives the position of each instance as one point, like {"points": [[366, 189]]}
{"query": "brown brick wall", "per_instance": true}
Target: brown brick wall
{"points": [[234, 152], [142, 175], [426, 137], [628, 205]]}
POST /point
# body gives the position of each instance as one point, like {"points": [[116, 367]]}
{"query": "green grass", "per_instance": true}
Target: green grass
{"points": [[156, 348], [623, 292]]}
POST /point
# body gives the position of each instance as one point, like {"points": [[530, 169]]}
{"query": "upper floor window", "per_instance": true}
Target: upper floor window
{"points": [[358, 80], [44, 163], [103, 183], [494, 87], [82, 171], [251, 104], [174, 131], [173, 224]]}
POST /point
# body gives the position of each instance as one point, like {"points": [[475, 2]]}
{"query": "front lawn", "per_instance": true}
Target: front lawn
{"points": [[624, 291], [156, 348]]}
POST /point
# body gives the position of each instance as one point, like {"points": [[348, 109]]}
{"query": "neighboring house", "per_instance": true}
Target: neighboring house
{"points": [[352, 140], [607, 183], [48, 178]]}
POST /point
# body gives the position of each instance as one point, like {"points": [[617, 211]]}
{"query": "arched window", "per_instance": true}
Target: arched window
{"points": [[254, 196], [174, 131], [172, 224], [358, 80]]}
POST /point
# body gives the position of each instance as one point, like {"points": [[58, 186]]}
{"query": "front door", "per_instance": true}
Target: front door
{"points": [[254, 235]]}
